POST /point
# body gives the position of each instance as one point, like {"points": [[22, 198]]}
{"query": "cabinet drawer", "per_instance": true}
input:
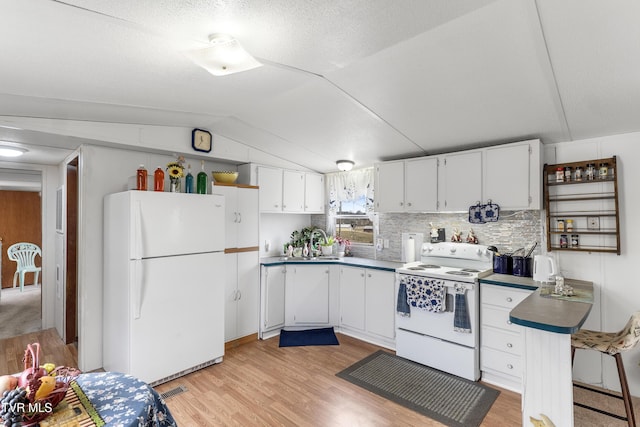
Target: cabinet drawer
{"points": [[500, 361], [498, 318], [502, 296], [502, 340]]}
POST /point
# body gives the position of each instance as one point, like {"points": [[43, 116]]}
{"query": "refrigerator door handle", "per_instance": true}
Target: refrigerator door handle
{"points": [[137, 288], [137, 233]]}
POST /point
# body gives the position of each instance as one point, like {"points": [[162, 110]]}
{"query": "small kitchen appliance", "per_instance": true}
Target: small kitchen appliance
{"points": [[432, 337], [544, 268]]}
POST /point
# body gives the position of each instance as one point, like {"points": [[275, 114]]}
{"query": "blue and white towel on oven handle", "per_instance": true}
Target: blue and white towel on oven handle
{"points": [[425, 294], [461, 321]]}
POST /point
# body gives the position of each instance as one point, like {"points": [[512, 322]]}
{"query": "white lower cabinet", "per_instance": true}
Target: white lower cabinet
{"points": [[242, 292], [307, 295], [501, 342], [272, 289], [358, 301], [352, 298], [367, 304]]}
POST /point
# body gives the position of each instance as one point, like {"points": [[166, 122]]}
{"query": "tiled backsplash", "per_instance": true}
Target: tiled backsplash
{"points": [[512, 231]]}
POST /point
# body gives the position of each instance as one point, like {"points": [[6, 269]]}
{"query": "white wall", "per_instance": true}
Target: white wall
{"points": [[614, 277], [277, 228]]}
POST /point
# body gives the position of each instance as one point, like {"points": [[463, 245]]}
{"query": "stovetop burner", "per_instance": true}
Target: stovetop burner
{"points": [[429, 266], [459, 273], [470, 270]]}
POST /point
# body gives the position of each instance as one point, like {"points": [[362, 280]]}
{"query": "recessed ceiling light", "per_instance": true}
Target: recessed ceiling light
{"points": [[12, 151]]}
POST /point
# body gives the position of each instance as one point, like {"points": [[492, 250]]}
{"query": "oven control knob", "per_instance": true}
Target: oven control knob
{"points": [[479, 251], [452, 250], [430, 248]]}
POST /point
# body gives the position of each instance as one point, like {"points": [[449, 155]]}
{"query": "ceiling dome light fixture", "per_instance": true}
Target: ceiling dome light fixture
{"points": [[224, 56], [6, 151], [345, 165]]}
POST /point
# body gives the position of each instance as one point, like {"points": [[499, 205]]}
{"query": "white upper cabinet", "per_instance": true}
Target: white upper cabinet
{"points": [[241, 209], [313, 193], [292, 191], [509, 175], [461, 181], [407, 185], [270, 183], [389, 186], [421, 184], [283, 190], [512, 175]]}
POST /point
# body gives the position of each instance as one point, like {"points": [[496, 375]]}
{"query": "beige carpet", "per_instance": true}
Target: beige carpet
{"points": [[20, 312], [585, 417]]}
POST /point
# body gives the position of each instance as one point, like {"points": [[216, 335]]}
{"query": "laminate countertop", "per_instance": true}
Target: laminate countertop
{"points": [[544, 310], [351, 261]]}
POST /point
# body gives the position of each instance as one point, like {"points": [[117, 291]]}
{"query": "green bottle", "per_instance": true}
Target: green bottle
{"points": [[201, 182]]}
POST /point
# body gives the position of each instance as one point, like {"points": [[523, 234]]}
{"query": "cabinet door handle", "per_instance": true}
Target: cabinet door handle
{"points": [[275, 206], [401, 204], [283, 206], [239, 216], [239, 295], [510, 366], [408, 203], [509, 345], [361, 274], [509, 299], [369, 275], [509, 322]]}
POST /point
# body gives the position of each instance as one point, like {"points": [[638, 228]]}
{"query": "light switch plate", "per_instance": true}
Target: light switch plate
{"points": [[593, 223]]}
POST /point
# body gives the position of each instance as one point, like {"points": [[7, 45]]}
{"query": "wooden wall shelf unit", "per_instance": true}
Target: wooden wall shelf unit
{"points": [[588, 201]]}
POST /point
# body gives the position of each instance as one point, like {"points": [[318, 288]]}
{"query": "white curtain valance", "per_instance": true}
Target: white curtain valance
{"points": [[348, 186]]}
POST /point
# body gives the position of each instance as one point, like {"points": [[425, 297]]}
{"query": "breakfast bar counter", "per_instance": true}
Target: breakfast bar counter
{"points": [[548, 321]]}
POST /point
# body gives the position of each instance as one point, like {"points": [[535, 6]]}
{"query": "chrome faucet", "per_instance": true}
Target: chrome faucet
{"points": [[324, 235]]}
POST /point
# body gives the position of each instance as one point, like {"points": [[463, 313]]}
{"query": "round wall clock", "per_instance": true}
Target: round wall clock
{"points": [[201, 140]]}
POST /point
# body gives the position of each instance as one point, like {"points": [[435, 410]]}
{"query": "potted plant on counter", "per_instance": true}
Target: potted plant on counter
{"points": [[327, 246], [344, 247]]}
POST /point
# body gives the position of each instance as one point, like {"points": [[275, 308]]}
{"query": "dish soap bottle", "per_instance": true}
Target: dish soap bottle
{"points": [[158, 179], [188, 181], [201, 184]]}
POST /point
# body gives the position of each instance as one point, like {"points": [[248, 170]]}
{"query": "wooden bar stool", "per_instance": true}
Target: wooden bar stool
{"points": [[611, 343]]}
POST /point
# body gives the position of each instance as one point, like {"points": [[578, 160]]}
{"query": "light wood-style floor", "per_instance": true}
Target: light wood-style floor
{"points": [[259, 383]]}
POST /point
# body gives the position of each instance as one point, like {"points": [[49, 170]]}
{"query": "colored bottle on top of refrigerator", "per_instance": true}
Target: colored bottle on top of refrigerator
{"points": [[141, 178], [201, 182], [158, 180]]}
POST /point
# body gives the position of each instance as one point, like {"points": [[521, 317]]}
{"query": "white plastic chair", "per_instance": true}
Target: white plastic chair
{"points": [[25, 255]]}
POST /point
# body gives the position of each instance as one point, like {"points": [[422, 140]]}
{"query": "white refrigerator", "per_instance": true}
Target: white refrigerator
{"points": [[164, 278]]}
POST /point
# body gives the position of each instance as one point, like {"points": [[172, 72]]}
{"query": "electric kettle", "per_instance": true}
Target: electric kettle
{"points": [[544, 268]]}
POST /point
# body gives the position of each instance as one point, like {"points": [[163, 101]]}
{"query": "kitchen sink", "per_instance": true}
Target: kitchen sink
{"points": [[319, 258]]}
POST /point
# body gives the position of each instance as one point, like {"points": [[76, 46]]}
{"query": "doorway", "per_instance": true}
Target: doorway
{"points": [[71, 265], [20, 221]]}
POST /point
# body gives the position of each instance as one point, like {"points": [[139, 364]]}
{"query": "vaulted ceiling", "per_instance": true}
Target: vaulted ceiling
{"points": [[366, 80]]}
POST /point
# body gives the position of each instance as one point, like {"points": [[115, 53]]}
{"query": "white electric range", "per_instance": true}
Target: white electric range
{"points": [[435, 337]]}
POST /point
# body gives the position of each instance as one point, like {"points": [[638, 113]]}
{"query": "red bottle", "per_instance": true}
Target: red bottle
{"points": [[158, 180], [141, 179]]}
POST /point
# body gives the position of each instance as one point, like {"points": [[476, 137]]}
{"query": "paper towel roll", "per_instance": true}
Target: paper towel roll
{"points": [[409, 250]]}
